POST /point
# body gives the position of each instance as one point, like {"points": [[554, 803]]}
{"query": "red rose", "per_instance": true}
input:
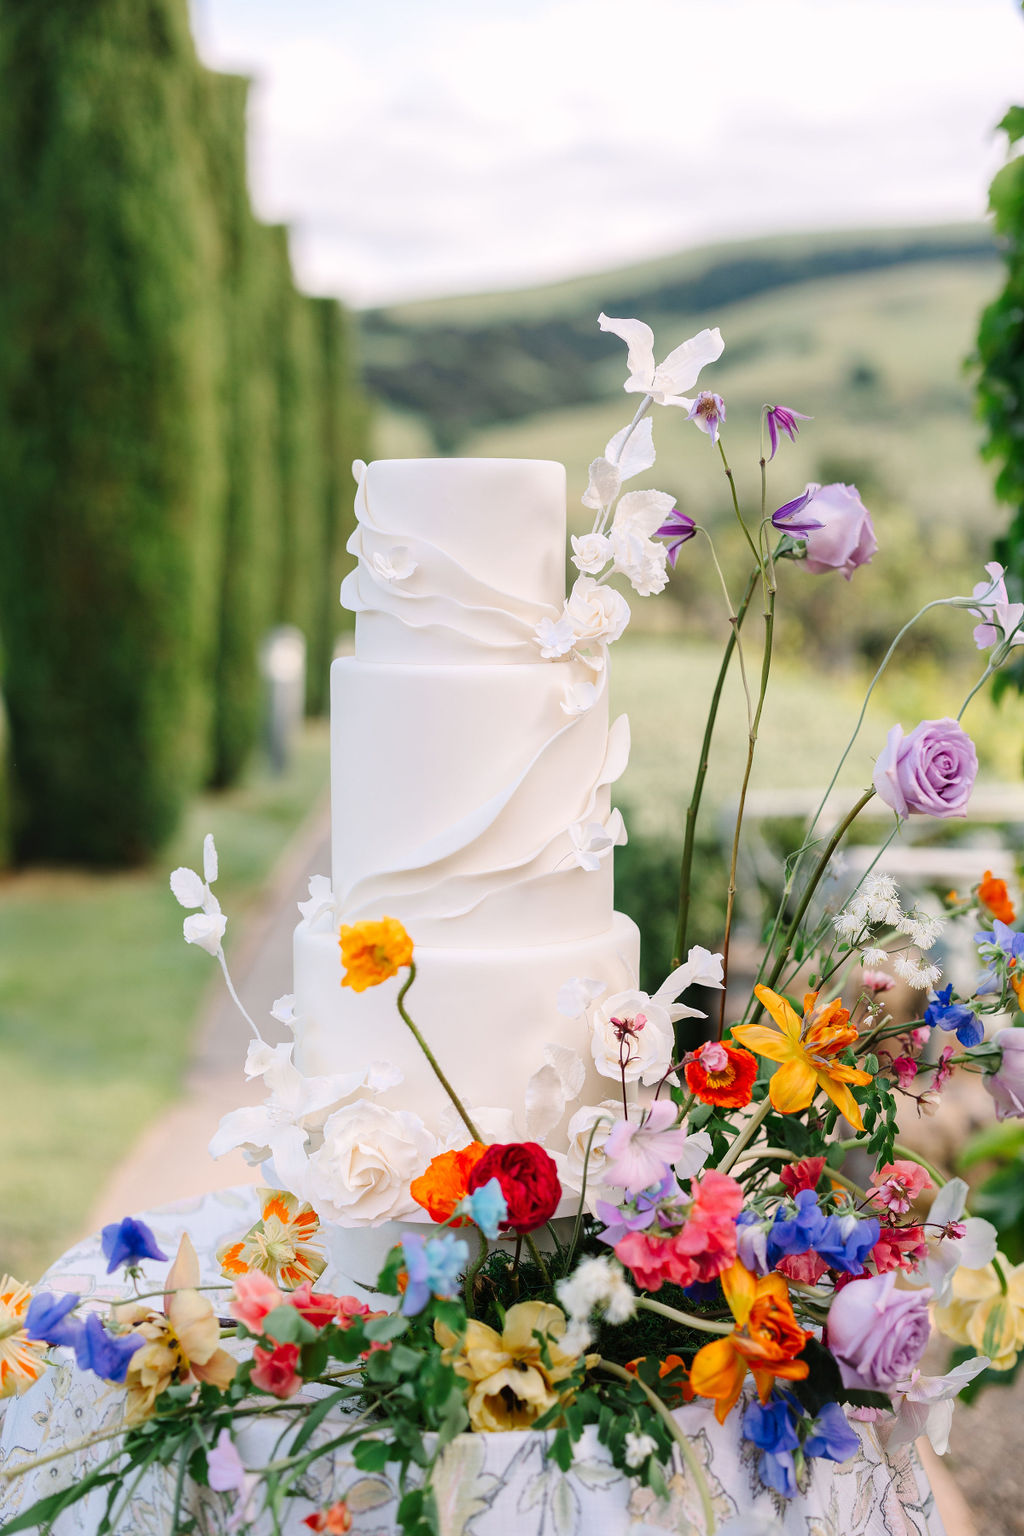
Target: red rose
{"points": [[528, 1179]]}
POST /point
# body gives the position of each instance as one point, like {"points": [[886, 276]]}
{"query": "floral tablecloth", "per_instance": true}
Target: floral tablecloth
{"points": [[486, 1485]]}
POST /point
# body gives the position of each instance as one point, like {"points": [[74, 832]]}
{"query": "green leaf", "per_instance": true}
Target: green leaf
{"points": [[383, 1329], [287, 1326], [370, 1455], [312, 1419], [1013, 124], [44, 1511], [561, 1449]]}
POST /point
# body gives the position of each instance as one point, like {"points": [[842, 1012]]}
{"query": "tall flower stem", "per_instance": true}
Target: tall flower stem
{"points": [[686, 1319], [686, 867], [431, 1058], [693, 1466], [736, 506], [766, 664], [746, 1136]]}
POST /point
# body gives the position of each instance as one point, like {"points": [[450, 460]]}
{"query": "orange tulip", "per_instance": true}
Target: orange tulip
{"points": [[807, 1050], [766, 1341]]}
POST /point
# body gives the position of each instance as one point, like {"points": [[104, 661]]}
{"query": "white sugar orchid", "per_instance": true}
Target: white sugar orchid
{"points": [[551, 1088], [396, 566], [283, 1010], [593, 841], [575, 996], [320, 903], [205, 928], [925, 1405], [556, 637], [631, 1033], [665, 382], [628, 453]]}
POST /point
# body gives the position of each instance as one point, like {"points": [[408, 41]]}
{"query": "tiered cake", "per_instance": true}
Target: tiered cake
{"points": [[460, 761]]}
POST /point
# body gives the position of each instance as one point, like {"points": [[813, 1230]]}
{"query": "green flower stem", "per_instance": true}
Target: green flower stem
{"points": [[431, 1058], [687, 1319], [1000, 1275], [766, 664], [8, 1474], [473, 1271], [683, 917], [982, 680], [780, 1155], [538, 1258], [748, 1132], [736, 507], [692, 1464]]}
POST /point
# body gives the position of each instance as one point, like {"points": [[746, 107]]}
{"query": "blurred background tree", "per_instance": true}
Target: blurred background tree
{"points": [[166, 475]]}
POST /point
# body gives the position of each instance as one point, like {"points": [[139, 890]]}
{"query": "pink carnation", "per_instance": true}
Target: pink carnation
{"points": [[274, 1370], [255, 1295], [895, 1186]]}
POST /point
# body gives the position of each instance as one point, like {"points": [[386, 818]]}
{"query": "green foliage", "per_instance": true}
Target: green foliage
{"points": [[1000, 358]]}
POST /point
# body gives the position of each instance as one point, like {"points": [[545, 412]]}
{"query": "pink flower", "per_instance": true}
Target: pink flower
{"points": [[904, 1070], [226, 1474], [876, 1332], [275, 1372], [317, 1307], [899, 1248], [943, 1068], [846, 538], [806, 1268], [804, 1174], [880, 981], [653, 1260], [255, 1295], [640, 1153], [930, 772], [920, 1036], [1002, 619], [895, 1186], [1006, 1083], [701, 1248]]}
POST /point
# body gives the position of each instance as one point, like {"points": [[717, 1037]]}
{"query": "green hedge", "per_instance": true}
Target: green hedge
{"points": [[163, 457]]}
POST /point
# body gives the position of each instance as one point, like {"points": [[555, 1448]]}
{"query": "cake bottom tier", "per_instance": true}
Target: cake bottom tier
{"points": [[487, 1015]]}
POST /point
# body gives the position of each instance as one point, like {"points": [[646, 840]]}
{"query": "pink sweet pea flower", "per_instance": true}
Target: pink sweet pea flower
{"points": [[904, 1070], [1002, 620], [895, 1186], [640, 1153], [275, 1371], [226, 1474], [255, 1295]]}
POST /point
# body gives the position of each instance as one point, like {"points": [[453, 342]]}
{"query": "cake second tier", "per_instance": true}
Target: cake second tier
{"points": [[454, 789]]}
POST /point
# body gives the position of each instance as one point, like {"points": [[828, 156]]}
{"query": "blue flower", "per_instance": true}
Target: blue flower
{"points": [[47, 1319], [770, 1427], [486, 1206], [846, 1241], [103, 1352], [832, 1435], [752, 1242], [128, 1242], [433, 1268], [795, 1231], [942, 1011]]}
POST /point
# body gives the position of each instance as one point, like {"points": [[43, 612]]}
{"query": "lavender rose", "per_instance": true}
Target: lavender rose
{"points": [[931, 771], [1006, 1083], [876, 1332], [846, 538]]}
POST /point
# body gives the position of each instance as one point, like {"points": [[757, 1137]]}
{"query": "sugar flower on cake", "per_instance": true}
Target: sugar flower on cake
{"points": [[591, 552], [631, 1033], [628, 453], [207, 926], [578, 698], [320, 904], [369, 1157], [637, 554], [598, 614], [593, 841], [666, 381], [589, 1127], [396, 565]]}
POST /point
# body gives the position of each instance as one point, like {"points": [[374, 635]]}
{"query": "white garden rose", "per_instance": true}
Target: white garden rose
{"points": [[370, 1154], [596, 613], [591, 552], [631, 1027]]}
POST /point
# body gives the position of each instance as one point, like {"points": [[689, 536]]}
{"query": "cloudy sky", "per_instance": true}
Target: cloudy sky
{"points": [[420, 147]]}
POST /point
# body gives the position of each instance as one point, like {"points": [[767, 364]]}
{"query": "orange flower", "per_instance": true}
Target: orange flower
{"points": [[445, 1182], [373, 952], [279, 1245], [678, 1389], [992, 893], [22, 1360], [807, 1050], [721, 1074], [766, 1341], [336, 1520]]}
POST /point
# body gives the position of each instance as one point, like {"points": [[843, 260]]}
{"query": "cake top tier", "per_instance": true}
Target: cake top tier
{"points": [[459, 559]]}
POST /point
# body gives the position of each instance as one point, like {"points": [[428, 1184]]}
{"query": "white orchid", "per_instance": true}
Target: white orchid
{"points": [[206, 927], [593, 841], [320, 903], [575, 996], [283, 1010], [551, 1088], [925, 1405], [628, 453], [665, 381]]}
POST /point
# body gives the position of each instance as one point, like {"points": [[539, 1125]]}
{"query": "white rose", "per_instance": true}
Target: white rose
{"points": [[631, 1027], [591, 553], [370, 1154], [595, 612], [570, 1171]]}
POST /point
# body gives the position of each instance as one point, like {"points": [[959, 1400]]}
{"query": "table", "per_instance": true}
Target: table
{"points": [[486, 1485]]}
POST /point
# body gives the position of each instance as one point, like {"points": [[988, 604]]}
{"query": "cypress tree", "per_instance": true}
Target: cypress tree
{"points": [[110, 437]]}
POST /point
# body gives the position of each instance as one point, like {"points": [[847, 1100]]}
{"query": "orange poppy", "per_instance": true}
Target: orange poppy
{"points": [[807, 1050], [992, 893], [373, 952], [446, 1182], [722, 1074], [766, 1341]]}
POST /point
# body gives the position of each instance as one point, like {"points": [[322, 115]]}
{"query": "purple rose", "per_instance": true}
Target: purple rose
{"points": [[846, 537], [876, 1332], [1006, 1083], [931, 771]]}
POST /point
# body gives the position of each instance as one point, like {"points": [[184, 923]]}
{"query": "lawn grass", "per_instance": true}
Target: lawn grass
{"points": [[99, 996]]}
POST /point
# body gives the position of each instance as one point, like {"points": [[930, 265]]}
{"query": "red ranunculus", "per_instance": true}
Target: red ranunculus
{"points": [[528, 1179]]}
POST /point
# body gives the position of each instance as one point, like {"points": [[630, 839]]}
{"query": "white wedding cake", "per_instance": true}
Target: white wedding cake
{"points": [[465, 771]]}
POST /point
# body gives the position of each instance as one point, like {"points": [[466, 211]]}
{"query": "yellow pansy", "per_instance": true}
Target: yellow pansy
{"points": [[806, 1049]]}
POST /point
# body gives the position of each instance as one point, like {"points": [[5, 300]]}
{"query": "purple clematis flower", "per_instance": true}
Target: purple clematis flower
{"points": [[781, 419], [128, 1242], [677, 530], [637, 1211], [788, 519], [707, 412]]}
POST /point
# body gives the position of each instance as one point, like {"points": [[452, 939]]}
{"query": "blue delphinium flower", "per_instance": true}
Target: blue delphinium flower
{"points": [[832, 1435], [770, 1427], [128, 1242], [47, 1319], [433, 1267], [794, 1231], [105, 1353], [486, 1206], [845, 1242], [946, 1014]]}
